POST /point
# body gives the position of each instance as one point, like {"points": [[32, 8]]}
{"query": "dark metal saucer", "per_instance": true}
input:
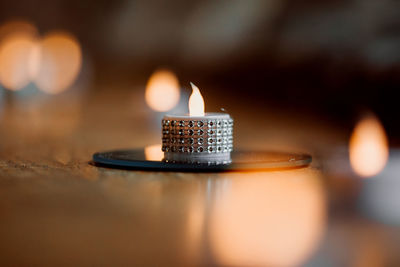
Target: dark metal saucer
{"points": [[241, 161]]}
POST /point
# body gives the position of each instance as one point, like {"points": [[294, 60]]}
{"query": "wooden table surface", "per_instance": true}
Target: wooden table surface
{"points": [[56, 209]]}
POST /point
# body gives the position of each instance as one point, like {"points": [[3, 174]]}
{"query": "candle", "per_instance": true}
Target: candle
{"points": [[197, 137]]}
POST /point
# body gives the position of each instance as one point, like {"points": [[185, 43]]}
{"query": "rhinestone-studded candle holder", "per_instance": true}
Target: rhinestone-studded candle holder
{"points": [[205, 139]]}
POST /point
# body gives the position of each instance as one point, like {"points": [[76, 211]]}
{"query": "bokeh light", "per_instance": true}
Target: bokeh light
{"points": [[368, 147], [53, 62], [34, 60], [60, 62], [162, 91], [18, 40], [17, 26], [153, 152]]}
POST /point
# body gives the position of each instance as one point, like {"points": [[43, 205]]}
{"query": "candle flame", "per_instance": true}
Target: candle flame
{"points": [[368, 147], [196, 102]]}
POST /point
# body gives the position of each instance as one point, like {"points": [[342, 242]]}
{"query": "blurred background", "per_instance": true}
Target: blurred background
{"points": [[321, 77], [330, 59]]}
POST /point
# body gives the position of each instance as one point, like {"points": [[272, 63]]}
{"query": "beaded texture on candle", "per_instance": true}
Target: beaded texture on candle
{"points": [[212, 136]]}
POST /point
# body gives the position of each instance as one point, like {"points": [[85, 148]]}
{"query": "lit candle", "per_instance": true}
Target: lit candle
{"points": [[197, 137]]}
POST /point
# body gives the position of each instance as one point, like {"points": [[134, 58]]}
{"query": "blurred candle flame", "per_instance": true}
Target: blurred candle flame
{"points": [[17, 44], [196, 102], [368, 147], [52, 62], [60, 62], [17, 27], [162, 91], [34, 60], [153, 152]]}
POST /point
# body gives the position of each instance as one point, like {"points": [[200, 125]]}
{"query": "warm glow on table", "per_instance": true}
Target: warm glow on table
{"points": [[268, 218]]}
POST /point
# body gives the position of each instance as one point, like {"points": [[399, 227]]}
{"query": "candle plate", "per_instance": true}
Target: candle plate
{"points": [[241, 161]]}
